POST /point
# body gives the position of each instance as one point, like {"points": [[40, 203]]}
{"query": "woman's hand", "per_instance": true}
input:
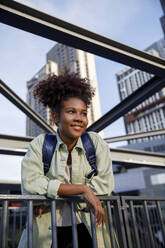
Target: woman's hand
{"points": [[90, 198], [94, 203], [38, 210]]}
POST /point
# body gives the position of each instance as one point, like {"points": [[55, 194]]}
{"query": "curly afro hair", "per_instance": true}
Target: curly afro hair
{"points": [[54, 90]]}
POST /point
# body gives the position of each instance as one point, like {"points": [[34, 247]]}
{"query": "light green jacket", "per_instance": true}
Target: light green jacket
{"points": [[35, 182]]}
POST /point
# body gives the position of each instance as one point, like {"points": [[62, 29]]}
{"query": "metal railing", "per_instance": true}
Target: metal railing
{"points": [[144, 220], [134, 222]]}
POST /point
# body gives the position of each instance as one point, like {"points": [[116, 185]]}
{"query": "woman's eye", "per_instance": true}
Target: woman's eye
{"points": [[84, 114], [71, 111]]}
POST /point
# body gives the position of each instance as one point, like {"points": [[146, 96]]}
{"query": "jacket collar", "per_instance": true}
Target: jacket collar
{"points": [[79, 144]]}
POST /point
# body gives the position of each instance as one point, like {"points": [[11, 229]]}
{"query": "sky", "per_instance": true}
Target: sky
{"points": [[131, 22]]}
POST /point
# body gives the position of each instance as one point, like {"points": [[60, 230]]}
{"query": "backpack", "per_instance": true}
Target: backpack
{"points": [[49, 146]]}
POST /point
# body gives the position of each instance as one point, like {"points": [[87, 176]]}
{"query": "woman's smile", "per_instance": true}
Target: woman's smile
{"points": [[77, 127]]}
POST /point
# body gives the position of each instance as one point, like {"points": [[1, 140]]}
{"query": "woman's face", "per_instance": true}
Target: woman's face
{"points": [[73, 120]]}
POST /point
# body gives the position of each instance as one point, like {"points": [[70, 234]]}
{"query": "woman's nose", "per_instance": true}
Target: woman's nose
{"points": [[78, 117]]}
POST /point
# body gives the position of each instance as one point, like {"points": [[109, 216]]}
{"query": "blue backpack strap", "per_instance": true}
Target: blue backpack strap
{"points": [[48, 148], [90, 154]]}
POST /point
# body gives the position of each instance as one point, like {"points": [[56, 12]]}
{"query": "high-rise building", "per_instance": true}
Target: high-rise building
{"points": [[162, 19], [150, 114], [62, 57], [159, 47], [32, 129]]}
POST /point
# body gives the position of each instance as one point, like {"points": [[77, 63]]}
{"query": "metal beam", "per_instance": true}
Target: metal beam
{"points": [[15, 142], [135, 136], [39, 23], [135, 158], [17, 101], [126, 157], [12, 151], [148, 89], [22, 142]]}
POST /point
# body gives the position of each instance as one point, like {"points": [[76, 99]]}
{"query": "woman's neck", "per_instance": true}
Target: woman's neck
{"points": [[70, 143]]}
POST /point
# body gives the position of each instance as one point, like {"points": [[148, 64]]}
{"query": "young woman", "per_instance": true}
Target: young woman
{"points": [[68, 98]]}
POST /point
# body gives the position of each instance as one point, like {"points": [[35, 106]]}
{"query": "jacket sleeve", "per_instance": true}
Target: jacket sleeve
{"points": [[33, 180], [103, 183]]}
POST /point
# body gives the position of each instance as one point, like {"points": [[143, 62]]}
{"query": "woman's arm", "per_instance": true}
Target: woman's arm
{"points": [[91, 199], [32, 172]]}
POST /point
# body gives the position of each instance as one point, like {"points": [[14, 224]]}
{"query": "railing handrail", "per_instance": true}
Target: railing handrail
{"points": [[43, 198], [76, 198]]}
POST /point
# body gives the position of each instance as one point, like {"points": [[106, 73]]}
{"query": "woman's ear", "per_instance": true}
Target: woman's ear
{"points": [[55, 118]]}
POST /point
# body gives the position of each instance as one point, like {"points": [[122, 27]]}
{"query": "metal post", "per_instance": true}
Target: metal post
{"points": [[20, 223], [149, 224], [93, 228], [161, 220], [4, 224], [120, 221], [74, 226], [143, 227], [134, 224], [14, 228], [110, 222], [154, 219], [30, 224], [54, 228]]}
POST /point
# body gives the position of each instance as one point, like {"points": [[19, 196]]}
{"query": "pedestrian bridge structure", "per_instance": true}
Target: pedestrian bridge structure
{"points": [[133, 221]]}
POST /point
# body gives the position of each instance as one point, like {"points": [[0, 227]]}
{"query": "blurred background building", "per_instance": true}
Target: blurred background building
{"points": [[150, 114], [32, 129], [147, 116], [162, 19]]}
